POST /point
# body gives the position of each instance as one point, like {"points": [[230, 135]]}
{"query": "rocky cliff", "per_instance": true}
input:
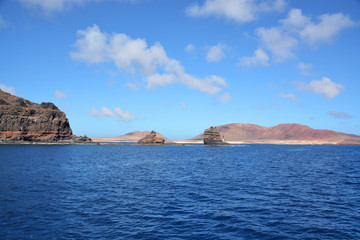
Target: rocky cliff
{"points": [[22, 121], [282, 134], [151, 139]]}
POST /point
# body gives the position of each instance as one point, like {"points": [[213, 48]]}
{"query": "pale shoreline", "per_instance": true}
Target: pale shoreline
{"points": [[117, 141], [275, 142]]}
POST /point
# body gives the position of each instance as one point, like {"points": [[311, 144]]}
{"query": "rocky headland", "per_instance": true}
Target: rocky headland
{"points": [[22, 121], [151, 139]]}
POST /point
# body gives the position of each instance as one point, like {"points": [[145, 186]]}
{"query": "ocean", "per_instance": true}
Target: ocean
{"points": [[179, 192]]}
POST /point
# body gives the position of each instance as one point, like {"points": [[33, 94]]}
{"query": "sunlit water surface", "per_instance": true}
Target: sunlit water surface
{"points": [[176, 192]]}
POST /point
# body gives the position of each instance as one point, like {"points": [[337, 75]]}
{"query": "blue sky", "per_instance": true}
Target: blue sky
{"points": [[178, 67]]}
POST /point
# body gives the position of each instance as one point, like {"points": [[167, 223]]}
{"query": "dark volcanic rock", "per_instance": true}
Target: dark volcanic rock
{"points": [[22, 120], [151, 139], [212, 137]]}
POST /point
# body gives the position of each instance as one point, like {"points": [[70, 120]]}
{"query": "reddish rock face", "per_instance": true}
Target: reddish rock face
{"points": [[291, 132], [22, 120], [151, 138]]}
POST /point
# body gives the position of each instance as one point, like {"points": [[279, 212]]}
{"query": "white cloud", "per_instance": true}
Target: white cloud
{"points": [[59, 94], [295, 20], [328, 26], [135, 56], [190, 48], [297, 28], [8, 89], [324, 30], [3, 24], [304, 68], [51, 6], [226, 97], [259, 58], [290, 96], [215, 53], [106, 112], [123, 115], [278, 42], [240, 11], [340, 114], [324, 86]]}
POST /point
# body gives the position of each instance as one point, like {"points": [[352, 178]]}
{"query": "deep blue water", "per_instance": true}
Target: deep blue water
{"points": [[174, 192]]}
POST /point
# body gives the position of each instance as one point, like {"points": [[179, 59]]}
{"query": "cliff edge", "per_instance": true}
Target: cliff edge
{"points": [[25, 121]]}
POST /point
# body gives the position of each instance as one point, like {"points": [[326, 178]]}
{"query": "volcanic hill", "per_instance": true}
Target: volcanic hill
{"points": [[130, 137], [280, 134]]}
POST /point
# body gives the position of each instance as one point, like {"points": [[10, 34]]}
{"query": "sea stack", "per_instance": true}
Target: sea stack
{"points": [[151, 139], [212, 137], [25, 121]]}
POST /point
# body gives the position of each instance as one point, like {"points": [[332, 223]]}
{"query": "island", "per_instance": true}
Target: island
{"points": [[151, 139]]}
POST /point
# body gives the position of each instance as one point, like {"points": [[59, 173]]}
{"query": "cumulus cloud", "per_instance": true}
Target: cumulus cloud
{"points": [[278, 42], [8, 89], [290, 96], [106, 112], [240, 11], [226, 97], [296, 28], [340, 114], [304, 68], [259, 58], [215, 53], [59, 94], [135, 56], [327, 26], [190, 48], [324, 86]]}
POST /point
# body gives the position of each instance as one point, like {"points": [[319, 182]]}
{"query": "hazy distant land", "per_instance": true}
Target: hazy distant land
{"points": [[238, 133]]}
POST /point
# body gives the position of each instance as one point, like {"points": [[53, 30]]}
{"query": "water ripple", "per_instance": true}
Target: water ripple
{"points": [[145, 192]]}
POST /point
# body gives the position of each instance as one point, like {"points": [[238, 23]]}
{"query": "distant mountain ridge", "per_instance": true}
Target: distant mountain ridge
{"points": [[130, 137], [255, 134], [286, 133]]}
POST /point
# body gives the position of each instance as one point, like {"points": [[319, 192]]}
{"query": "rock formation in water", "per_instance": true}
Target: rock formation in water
{"points": [[212, 137], [25, 121], [151, 139]]}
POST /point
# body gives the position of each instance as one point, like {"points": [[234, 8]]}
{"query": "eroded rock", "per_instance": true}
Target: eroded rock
{"points": [[22, 120], [151, 139], [212, 137]]}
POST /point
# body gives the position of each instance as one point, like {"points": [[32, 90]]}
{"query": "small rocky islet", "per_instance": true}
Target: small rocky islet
{"points": [[151, 139], [212, 137]]}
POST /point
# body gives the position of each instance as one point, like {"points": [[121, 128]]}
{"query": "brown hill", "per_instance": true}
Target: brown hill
{"points": [[25, 121], [281, 134], [129, 137]]}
